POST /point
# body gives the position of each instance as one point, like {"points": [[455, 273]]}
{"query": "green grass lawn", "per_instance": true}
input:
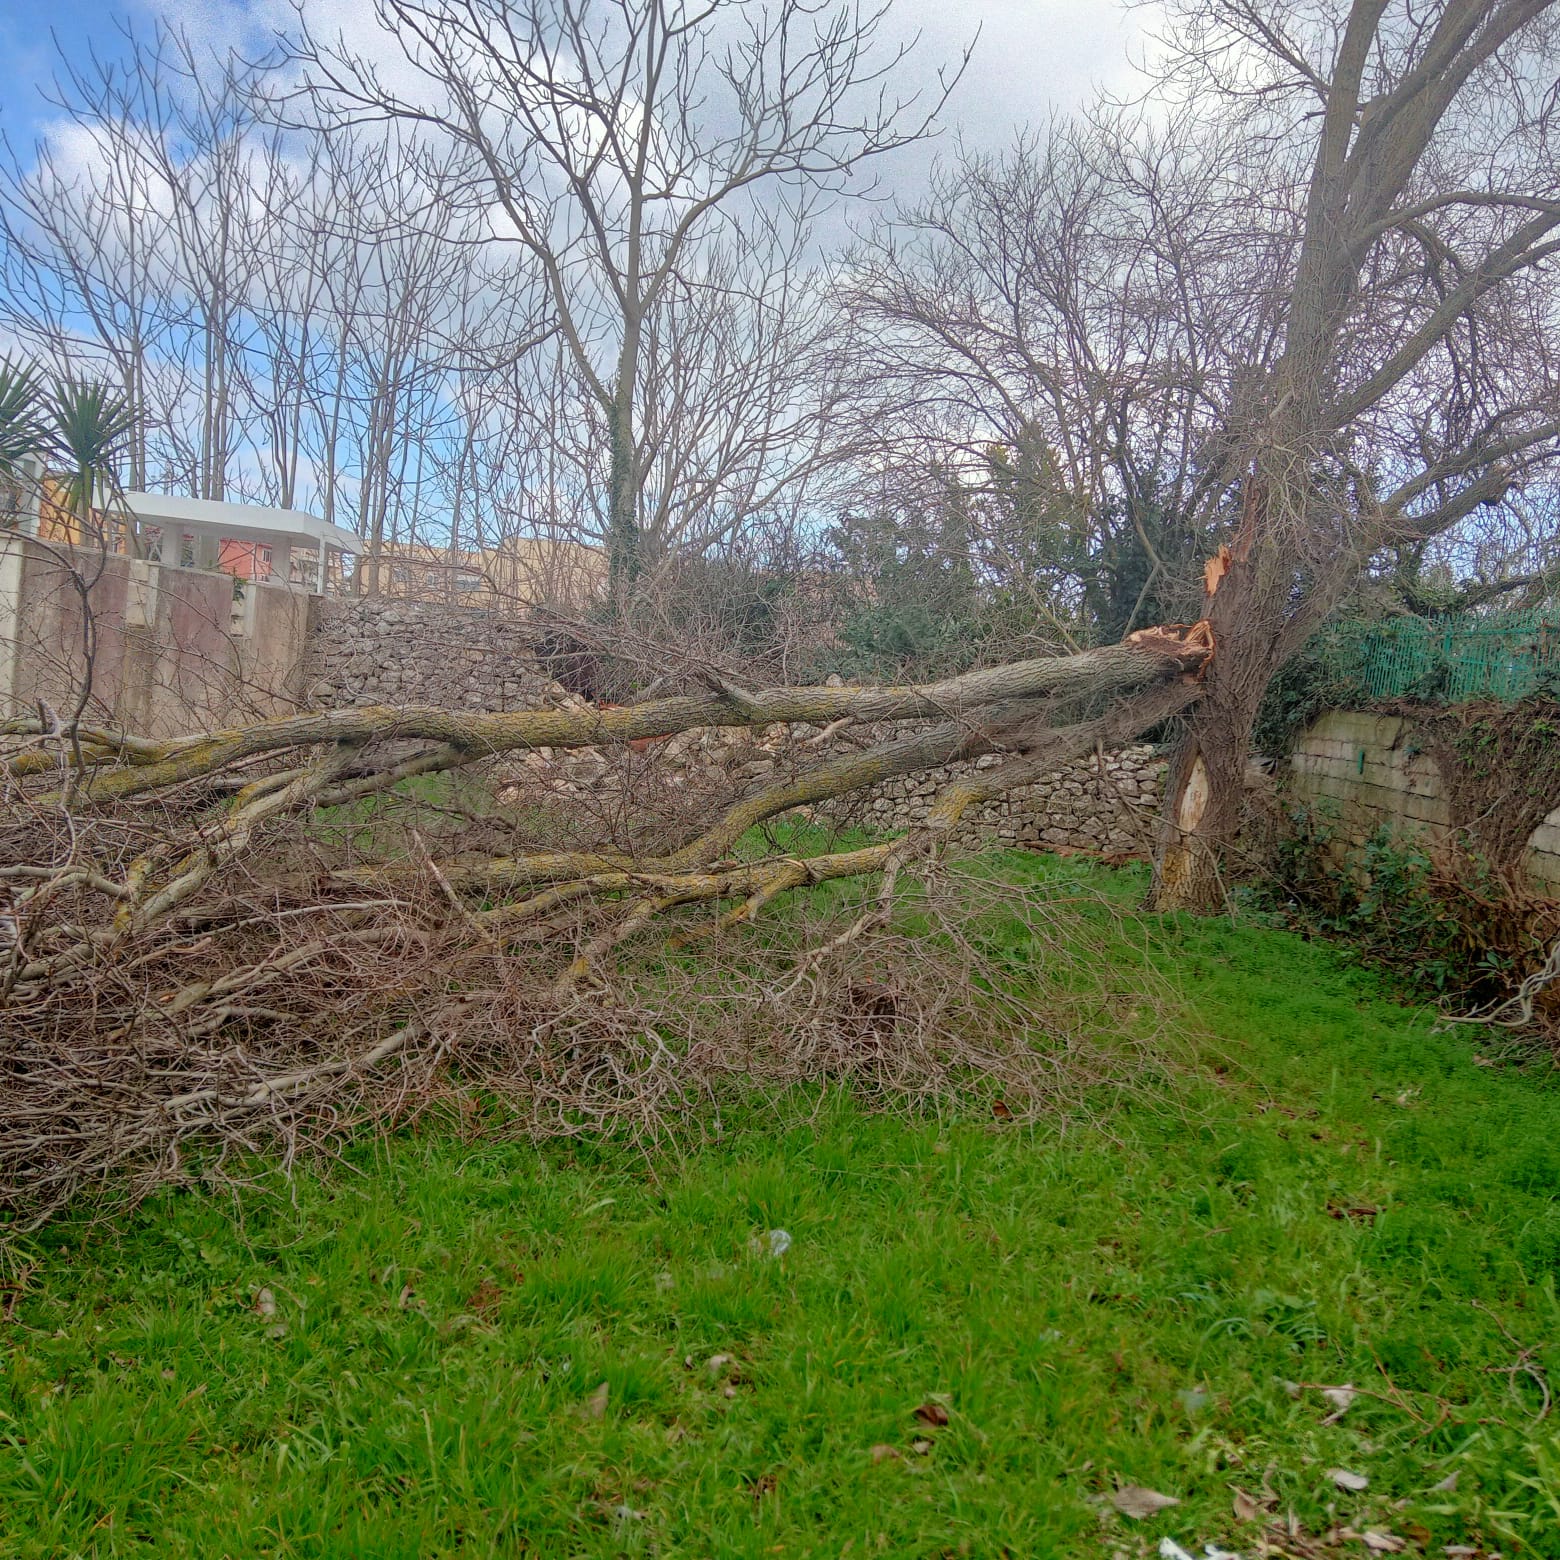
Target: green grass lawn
{"points": [[467, 1345]]}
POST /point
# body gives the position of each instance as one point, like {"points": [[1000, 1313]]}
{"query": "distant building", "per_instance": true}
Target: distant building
{"points": [[518, 574], [250, 541], [292, 548]]}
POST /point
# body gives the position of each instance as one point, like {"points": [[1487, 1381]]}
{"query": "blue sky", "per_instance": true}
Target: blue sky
{"points": [[27, 54], [1033, 55], [29, 28]]}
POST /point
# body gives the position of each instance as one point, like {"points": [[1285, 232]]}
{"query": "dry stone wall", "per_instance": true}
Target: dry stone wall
{"points": [[377, 651], [1106, 804], [363, 652]]}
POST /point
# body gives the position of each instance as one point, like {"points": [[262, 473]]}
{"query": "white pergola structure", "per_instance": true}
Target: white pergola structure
{"points": [[299, 545]]}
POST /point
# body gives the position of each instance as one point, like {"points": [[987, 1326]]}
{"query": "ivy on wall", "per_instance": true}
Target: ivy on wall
{"points": [[1499, 766]]}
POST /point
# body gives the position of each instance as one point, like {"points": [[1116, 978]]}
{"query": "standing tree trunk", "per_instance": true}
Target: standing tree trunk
{"points": [[622, 504], [1204, 790], [1247, 603]]}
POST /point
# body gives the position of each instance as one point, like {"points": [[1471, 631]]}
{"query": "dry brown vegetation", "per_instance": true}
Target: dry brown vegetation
{"points": [[266, 933]]}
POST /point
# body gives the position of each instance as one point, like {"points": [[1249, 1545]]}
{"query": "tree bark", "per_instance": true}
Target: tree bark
{"points": [[1037, 712], [623, 507], [1202, 807], [1206, 780], [122, 771]]}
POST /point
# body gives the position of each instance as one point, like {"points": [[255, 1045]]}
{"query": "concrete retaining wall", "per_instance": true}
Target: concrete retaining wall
{"points": [[175, 649]]}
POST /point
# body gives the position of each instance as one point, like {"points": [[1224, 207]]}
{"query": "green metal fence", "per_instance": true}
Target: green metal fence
{"points": [[1451, 660]]}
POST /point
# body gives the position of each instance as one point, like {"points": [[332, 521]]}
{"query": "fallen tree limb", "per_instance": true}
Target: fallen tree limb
{"points": [[981, 710], [1039, 751], [188, 946], [119, 773]]}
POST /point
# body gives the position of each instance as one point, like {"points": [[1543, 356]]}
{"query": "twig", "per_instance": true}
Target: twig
{"points": [[1516, 1011], [1524, 1365]]}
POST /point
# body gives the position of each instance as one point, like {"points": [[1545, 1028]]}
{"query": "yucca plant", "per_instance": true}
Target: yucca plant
{"points": [[21, 431], [92, 423], [21, 414]]}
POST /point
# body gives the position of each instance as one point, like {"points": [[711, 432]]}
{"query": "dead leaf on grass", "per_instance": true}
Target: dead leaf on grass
{"points": [[920, 1446], [596, 1403], [1447, 1486], [484, 1298], [1380, 1543], [933, 1414], [883, 1452], [1250, 1508], [1000, 1109], [1362, 1213], [1348, 1481], [265, 1303], [1132, 1500]]}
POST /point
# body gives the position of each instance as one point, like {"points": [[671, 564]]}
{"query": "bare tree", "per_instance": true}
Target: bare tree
{"points": [[628, 149], [131, 243], [1415, 382], [287, 315], [84, 238], [1057, 331], [1312, 317]]}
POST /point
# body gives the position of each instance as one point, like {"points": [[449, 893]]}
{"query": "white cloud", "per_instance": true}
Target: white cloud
{"points": [[1033, 56]]}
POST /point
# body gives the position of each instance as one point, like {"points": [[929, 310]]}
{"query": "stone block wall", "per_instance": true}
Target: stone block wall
{"points": [[1369, 763], [1370, 769], [381, 651]]}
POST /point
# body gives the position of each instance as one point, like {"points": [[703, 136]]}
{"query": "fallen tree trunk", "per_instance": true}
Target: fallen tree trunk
{"points": [[156, 894], [120, 766], [328, 758]]}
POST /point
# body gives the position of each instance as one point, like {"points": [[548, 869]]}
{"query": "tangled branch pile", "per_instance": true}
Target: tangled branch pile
{"points": [[269, 931]]}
